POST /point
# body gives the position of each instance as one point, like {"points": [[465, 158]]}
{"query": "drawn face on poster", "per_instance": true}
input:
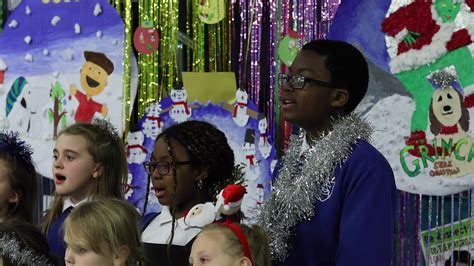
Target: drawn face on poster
{"points": [[61, 63]]}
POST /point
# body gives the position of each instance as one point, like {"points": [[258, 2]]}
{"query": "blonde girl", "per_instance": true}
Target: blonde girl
{"points": [[89, 162], [103, 232]]}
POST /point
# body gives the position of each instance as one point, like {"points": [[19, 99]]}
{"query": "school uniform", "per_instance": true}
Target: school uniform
{"points": [[55, 234], [156, 228]]}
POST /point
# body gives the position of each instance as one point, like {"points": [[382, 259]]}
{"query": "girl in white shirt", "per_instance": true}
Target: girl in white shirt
{"points": [[191, 162]]}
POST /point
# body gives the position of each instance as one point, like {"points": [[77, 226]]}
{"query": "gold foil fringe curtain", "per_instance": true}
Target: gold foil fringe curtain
{"points": [[211, 44], [208, 47]]}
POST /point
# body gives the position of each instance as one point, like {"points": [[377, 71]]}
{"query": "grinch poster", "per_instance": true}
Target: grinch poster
{"points": [[60, 63], [427, 46]]}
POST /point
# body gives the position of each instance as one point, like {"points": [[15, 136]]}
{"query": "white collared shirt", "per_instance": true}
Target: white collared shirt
{"points": [[68, 203], [159, 230]]}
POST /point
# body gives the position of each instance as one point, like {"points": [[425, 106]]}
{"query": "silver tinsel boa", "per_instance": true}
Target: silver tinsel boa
{"points": [[14, 251], [303, 181]]}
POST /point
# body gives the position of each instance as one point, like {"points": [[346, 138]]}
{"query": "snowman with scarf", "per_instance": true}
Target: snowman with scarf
{"points": [[152, 126], [180, 111], [136, 152]]}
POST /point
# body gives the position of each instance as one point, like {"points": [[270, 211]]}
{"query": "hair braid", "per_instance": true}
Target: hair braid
{"points": [[207, 146]]}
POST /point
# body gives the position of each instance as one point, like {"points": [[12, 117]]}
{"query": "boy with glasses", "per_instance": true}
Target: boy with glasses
{"points": [[334, 197]]}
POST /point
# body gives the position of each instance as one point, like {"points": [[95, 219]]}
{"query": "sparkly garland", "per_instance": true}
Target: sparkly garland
{"points": [[14, 251], [295, 192], [107, 129], [18, 149]]}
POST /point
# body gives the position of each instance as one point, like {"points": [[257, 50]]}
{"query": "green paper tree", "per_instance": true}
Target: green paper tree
{"points": [[57, 114]]}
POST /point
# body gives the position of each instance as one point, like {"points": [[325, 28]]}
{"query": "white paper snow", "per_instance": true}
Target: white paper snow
{"points": [[55, 20], [77, 28], [97, 9], [29, 57], [68, 54], [27, 39], [13, 24]]}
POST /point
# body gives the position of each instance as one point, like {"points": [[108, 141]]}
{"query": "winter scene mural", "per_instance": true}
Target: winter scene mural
{"points": [[60, 63], [251, 142]]}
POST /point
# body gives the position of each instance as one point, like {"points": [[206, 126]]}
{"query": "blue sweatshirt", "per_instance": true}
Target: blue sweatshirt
{"points": [[354, 225], [55, 236]]}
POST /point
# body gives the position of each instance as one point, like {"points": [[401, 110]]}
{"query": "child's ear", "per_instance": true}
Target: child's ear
{"points": [[98, 171], [244, 261], [203, 173], [15, 197], [340, 98], [121, 258]]}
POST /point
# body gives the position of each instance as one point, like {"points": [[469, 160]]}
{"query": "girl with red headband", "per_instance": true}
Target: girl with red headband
{"points": [[231, 244]]}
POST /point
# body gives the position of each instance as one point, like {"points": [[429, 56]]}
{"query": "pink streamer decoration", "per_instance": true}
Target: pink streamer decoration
{"points": [[300, 15]]}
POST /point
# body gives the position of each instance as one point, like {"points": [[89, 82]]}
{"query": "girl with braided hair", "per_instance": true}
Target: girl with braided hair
{"points": [[18, 189], [88, 162], [191, 162]]}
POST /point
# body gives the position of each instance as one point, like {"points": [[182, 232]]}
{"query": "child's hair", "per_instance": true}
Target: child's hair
{"points": [[207, 146], [105, 220], [106, 149], [21, 243], [347, 66], [256, 239], [15, 154]]}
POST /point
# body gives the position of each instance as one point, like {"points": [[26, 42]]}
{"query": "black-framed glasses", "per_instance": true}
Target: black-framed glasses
{"points": [[163, 168], [298, 81]]}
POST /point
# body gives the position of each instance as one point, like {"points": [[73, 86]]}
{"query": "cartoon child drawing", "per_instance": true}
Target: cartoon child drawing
{"points": [[94, 76]]}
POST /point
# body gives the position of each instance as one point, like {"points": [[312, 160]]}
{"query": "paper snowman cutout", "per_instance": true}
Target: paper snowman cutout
{"points": [[136, 152], [264, 145], [251, 168], [152, 126], [180, 111], [239, 113]]}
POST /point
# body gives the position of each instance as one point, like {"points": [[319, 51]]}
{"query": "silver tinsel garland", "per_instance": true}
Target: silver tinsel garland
{"points": [[14, 251], [303, 181]]}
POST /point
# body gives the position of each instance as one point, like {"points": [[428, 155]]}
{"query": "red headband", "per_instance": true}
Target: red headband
{"points": [[241, 236]]}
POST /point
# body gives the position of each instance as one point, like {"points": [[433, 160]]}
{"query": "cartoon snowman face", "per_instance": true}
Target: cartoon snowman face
{"points": [[241, 96], [262, 125], [248, 149], [178, 95], [135, 138], [154, 110]]}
